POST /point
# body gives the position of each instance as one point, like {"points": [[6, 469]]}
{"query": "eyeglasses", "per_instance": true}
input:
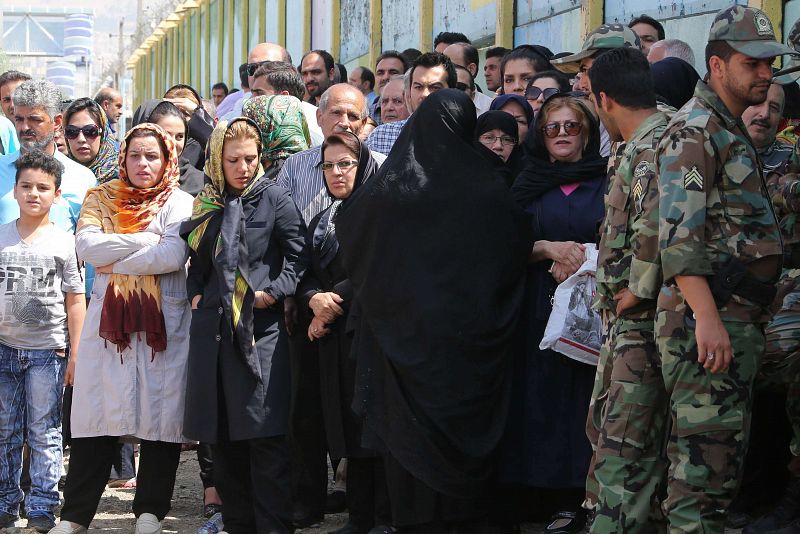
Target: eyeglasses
{"points": [[341, 165], [571, 128], [533, 93], [90, 132], [505, 140]]}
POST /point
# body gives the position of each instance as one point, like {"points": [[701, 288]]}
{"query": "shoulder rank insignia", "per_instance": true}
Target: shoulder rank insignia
{"points": [[693, 180], [638, 194], [641, 169]]}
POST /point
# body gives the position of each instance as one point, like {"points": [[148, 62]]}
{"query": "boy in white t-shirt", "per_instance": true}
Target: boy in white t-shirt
{"points": [[42, 306]]}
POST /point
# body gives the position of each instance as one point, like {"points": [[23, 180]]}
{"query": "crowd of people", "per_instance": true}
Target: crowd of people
{"points": [[319, 272]]}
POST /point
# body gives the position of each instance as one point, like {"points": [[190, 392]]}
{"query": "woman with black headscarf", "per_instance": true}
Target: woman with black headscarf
{"points": [[496, 138], [561, 188], [326, 293], [199, 123], [435, 249], [674, 80]]}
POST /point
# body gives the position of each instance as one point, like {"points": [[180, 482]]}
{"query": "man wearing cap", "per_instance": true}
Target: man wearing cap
{"points": [[721, 255], [604, 38]]}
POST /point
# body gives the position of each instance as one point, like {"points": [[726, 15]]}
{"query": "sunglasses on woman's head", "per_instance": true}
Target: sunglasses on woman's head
{"points": [[552, 129], [90, 131], [533, 93]]}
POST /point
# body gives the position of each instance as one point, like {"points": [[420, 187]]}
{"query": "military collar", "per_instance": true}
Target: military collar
{"points": [[707, 95], [648, 125]]}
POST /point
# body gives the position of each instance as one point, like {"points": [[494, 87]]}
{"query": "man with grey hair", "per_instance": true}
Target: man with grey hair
{"points": [[383, 137], [110, 100], [342, 107], [37, 114], [671, 48]]}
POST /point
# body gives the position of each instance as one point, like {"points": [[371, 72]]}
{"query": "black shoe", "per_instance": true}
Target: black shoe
{"points": [[382, 529], [41, 523], [210, 509], [349, 528], [336, 502], [7, 520], [568, 522], [738, 520], [308, 521], [791, 528], [786, 511]]}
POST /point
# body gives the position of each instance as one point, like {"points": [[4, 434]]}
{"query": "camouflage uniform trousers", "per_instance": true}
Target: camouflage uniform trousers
{"points": [[597, 403], [630, 465], [710, 416], [781, 363]]}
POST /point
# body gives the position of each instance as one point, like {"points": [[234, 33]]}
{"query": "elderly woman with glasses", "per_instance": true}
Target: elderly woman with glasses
{"points": [[561, 188]]}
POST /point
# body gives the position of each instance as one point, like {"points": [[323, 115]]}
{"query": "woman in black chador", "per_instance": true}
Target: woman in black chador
{"points": [[435, 249], [326, 294]]}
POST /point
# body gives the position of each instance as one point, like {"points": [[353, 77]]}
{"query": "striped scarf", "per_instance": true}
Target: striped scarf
{"points": [[132, 303]]}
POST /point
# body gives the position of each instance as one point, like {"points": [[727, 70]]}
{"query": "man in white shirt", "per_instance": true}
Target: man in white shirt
{"points": [[466, 55]]}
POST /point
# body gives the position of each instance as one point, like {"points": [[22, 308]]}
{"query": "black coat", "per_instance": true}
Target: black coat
{"points": [[223, 399], [337, 368]]}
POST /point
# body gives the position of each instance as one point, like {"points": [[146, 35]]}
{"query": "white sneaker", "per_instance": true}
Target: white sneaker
{"points": [[148, 524], [65, 527]]}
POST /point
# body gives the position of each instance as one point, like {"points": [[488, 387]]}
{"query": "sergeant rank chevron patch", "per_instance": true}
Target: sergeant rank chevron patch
{"points": [[693, 180]]}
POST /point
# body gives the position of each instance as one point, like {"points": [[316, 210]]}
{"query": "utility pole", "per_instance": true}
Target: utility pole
{"points": [[120, 52]]}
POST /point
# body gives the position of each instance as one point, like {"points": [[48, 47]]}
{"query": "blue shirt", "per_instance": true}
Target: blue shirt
{"points": [[75, 181], [383, 137]]}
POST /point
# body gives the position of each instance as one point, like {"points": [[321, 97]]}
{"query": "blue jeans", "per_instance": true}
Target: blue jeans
{"points": [[31, 390]]}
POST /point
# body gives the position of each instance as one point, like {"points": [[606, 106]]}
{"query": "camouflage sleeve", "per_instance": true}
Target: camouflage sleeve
{"points": [[686, 172], [784, 191], [645, 273]]}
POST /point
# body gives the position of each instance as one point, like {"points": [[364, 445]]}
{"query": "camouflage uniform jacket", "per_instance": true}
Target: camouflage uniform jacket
{"points": [[714, 203], [629, 253]]}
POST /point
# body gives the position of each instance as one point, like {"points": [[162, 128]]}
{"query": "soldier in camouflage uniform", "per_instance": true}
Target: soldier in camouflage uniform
{"points": [[721, 256], [629, 465], [605, 37]]}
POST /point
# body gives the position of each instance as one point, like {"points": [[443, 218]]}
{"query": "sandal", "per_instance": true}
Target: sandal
{"points": [[130, 484], [567, 522]]}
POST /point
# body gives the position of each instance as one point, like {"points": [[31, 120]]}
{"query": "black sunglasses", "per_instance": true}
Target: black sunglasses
{"points": [[253, 67], [90, 132], [532, 93]]}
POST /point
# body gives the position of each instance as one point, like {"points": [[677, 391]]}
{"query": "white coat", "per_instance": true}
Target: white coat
{"points": [[135, 397]]}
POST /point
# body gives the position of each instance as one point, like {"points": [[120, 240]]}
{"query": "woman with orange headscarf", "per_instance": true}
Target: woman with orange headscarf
{"points": [[130, 375]]}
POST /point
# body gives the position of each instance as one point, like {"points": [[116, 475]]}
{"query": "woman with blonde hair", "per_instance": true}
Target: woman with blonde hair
{"points": [[246, 238]]}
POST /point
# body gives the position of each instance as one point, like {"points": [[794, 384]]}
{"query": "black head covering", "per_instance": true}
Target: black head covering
{"points": [[436, 251], [674, 80], [502, 100], [490, 120], [143, 112], [539, 174], [324, 232]]}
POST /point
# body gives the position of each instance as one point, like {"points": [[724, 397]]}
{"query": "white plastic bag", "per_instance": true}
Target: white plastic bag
{"points": [[574, 328]]}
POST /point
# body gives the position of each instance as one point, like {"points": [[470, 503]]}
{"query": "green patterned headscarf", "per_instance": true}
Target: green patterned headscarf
{"points": [[216, 234], [283, 126]]}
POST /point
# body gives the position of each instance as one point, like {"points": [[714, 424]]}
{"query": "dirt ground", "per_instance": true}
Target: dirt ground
{"points": [[114, 513]]}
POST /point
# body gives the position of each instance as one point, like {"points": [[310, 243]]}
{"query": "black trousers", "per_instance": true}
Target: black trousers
{"points": [[253, 480], [307, 440], [418, 508], [205, 459], [367, 495], [89, 465]]}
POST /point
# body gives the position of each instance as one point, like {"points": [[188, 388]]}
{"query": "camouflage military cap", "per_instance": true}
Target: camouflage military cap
{"points": [[748, 30], [605, 37]]}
